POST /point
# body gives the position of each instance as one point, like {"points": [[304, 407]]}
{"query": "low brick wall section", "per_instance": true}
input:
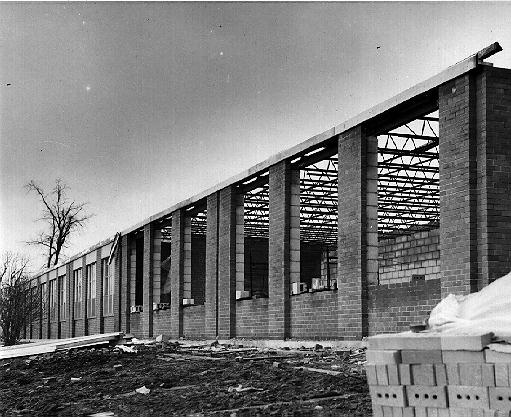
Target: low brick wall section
{"points": [[314, 315], [136, 325], [64, 330], [78, 328], [193, 322], [92, 326], [162, 322], [108, 324], [252, 318], [393, 307], [54, 330]]}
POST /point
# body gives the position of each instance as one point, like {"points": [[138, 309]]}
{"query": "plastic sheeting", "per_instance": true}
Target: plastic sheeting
{"points": [[488, 310]]}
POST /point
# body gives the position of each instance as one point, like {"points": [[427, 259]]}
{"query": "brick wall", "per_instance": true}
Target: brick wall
{"points": [[193, 322], [458, 181], [252, 318], [198, 268], [404, 256], [54, 330], [393, 307], [211, 284], [93, 326], [162, 322], [109, 325], [314, 315], [136, 325], [79, 328]]}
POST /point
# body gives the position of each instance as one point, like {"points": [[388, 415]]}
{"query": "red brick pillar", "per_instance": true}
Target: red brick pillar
{"points": [[458, 182], [125, 285], [211, 292], [176, 273], [279, 250], [118, 289], [99, 292], [70, 297], [357, 239], [227, 263], [85, 290], [147, 314], [156, 265], [493, 125]]}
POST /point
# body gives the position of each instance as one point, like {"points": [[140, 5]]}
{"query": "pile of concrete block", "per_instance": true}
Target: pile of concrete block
{"points": [[428, 375]]}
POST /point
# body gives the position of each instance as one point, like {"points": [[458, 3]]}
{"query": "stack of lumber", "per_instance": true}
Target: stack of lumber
{"points": [[49, 346]]}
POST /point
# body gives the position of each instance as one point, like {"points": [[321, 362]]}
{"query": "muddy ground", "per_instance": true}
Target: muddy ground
{"points": [[216, 381]]}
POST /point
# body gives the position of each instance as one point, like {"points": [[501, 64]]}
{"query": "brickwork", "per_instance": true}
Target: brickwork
{"points": [[70, 298], [176, 273], [405, 256], [493, 126], [198, 268], [457, 163], [99, 292], [193, 322], [354, 225], [93, 326], [162, 322], [314, 315], [227, 263], [393, 307], [211, 291], [147, 314], [252, 318], [124, 284], [136, 325], [279, 251], [109, 324]]}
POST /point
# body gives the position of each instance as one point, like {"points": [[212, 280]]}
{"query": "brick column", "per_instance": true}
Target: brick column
{"points": [[211, 293], [279, 251], [493, 125], [132, 273], [240, 242], [458, 182], [227, 263], [294, 227], [47, 301], [147, 314], [70, 297], [125, 284], [85, 280], [187, 257], [118, 290], [99, 292], [357, 236], [156, 265], [176, 273]]}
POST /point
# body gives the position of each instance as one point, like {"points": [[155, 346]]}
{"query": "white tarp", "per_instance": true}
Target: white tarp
{"points": [[488, 310]]}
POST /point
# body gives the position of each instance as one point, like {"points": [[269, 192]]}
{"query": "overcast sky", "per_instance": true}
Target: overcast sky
{"points": [[139, 106]]}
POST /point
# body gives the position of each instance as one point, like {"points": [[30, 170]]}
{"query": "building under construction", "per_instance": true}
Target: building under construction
{"points": [[359, 230]]}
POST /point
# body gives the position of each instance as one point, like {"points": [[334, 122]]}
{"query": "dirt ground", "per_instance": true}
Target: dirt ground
{"points": [[187, 381]]}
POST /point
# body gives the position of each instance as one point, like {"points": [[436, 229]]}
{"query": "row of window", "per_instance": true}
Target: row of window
{"points": [[78, 285]]}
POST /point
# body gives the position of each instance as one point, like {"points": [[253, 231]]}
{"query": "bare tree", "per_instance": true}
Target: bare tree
{"points": [[19, 301], [62, 217]]}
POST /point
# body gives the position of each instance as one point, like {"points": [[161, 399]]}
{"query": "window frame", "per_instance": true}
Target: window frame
{"points": [[91, 282], [61, 282], [78, 293]]}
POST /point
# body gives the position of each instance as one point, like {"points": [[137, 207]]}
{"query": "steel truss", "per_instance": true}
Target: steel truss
{"points": [[408, 178]]}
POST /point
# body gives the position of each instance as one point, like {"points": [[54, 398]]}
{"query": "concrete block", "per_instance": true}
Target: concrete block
{"points": [[463, 356], [377, 410], [387, 411], [440, 374], [501, 375], [453, 375], [393, 374], [500, 398], [381, 375], [471, 374], [423, 374], [421, 412], [497, 357], [390, 395], [371, 375], [421, 356], [383, 357], [408, 412], [473, 343], [488, 370], [405, 374], [405, 341], [426, 396], [468, 397]]}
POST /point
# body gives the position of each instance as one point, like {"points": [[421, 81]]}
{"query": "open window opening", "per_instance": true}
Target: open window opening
{"points": [[408, 202], [252, 234], [313, 223], [194, 274], [137, 271]]}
